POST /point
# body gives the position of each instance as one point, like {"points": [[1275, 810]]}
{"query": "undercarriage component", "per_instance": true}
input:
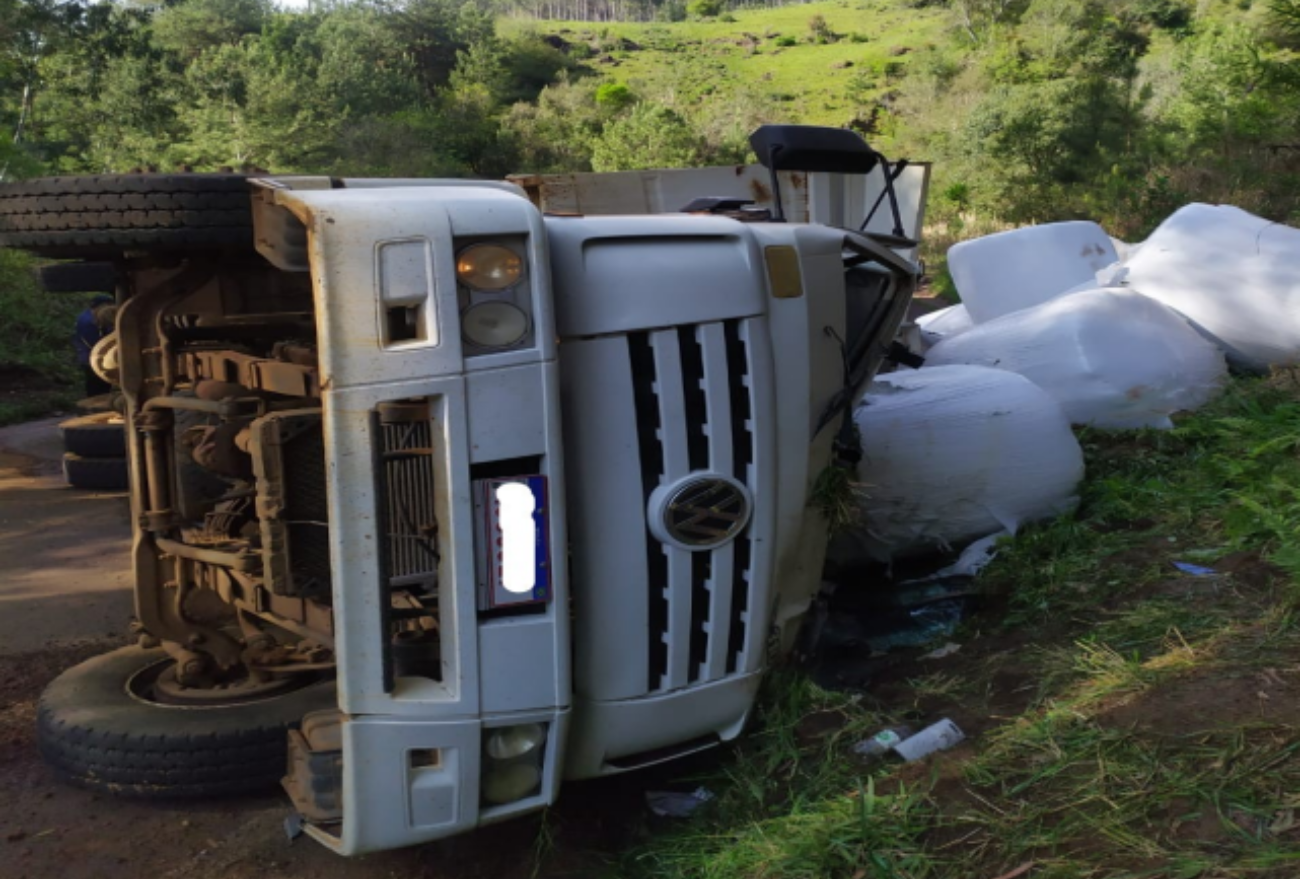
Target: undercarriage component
{"points": [[78, 277], [268, 374], [315, 779], [288, 455]]}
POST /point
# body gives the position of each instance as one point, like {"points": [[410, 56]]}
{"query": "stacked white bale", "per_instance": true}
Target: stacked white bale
{"points": [[1111, 358], [1234, 275], [1010, 271], [952, 454]]}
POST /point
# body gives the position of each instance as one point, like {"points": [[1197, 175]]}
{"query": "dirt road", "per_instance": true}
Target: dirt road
{"points": [[64, 596]]}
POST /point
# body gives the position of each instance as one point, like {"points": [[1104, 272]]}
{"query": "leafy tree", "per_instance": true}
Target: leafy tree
{"points": [[1224, 97], [191, 27], [360, 64], [557, 132], [650, 136], [435, 32], [704, 8], [33, 31]]}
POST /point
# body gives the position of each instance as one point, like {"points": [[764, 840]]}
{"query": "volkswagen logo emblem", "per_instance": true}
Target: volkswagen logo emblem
{"points": [[700, 512]]}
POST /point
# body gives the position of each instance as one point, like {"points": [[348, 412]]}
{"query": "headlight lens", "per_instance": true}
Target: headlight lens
{"points": [[514, 741], [494, 324], [512, 769], [489, 267], [513, 781]]}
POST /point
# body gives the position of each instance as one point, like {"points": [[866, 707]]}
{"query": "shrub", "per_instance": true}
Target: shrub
{"points": [[820, 30], [614, 95], [704, 8]]}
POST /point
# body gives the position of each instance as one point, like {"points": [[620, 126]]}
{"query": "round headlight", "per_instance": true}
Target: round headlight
{"points": [[489, 267], [512, 782], [494, 324], [514, 741]]}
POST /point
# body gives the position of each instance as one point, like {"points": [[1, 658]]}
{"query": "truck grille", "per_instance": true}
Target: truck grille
{"points": [[406, 450], [694, 413]]}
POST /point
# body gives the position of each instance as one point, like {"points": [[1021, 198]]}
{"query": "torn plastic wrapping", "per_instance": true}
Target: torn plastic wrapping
{"points": [[1010, 271], [952, 454], [1234, 275], [1111, 357], [942, 324]]}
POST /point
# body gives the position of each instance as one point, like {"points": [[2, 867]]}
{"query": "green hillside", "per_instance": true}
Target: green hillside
{"points": [[830, 75]]}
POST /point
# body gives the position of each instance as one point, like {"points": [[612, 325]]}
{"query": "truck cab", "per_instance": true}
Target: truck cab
{"points": [[475, 499]]}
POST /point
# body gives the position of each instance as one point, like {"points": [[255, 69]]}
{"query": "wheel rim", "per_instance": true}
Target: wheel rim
{"points": [[156, 684]]}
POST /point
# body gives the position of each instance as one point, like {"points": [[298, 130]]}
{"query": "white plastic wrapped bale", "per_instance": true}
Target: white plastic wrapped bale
{"points": [[955, 453], [1111, 357], [1234, 275], [943, 324], [1014, 270]]}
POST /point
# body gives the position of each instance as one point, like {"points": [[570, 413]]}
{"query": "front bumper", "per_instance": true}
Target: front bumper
{"points": [[407, 782]]}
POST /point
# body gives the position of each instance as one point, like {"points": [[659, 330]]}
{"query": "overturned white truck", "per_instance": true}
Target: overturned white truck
{"points": [[438, 499]]}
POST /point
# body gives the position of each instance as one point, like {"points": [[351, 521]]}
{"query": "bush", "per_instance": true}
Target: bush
{"points": [[651, 136], [820, 30], [1168, 14], [614, 95], [786, 41], [704, 8]]}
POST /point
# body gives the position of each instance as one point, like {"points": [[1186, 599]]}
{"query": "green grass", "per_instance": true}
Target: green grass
{"points": [[711, 62], [1132, 721]]}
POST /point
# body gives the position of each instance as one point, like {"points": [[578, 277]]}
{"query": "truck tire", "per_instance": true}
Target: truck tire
{"points": [[96, 733], [78, 277], [95, 474], [95, 436], [95, 217]]}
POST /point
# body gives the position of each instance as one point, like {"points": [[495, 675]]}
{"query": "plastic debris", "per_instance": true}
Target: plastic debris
{"points": [[953, 454], [1195, 570], [1234, 275], [921, 626], [973, 559], [882, 742], [937, 737], [293, 826], [1010, 271], [1111, 357], [675, 804], [945, 651], [943, 324]]}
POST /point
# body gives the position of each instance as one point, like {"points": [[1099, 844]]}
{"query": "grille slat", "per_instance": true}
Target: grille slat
{"points": [[407, 452], [693, 408], [719, 625], [674, 430], [671, 397], [717, 397], [679, 617], [742, 445], [650, 452]]}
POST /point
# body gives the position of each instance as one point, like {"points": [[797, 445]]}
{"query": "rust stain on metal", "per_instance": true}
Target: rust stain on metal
{"points": [[760, 191]]}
